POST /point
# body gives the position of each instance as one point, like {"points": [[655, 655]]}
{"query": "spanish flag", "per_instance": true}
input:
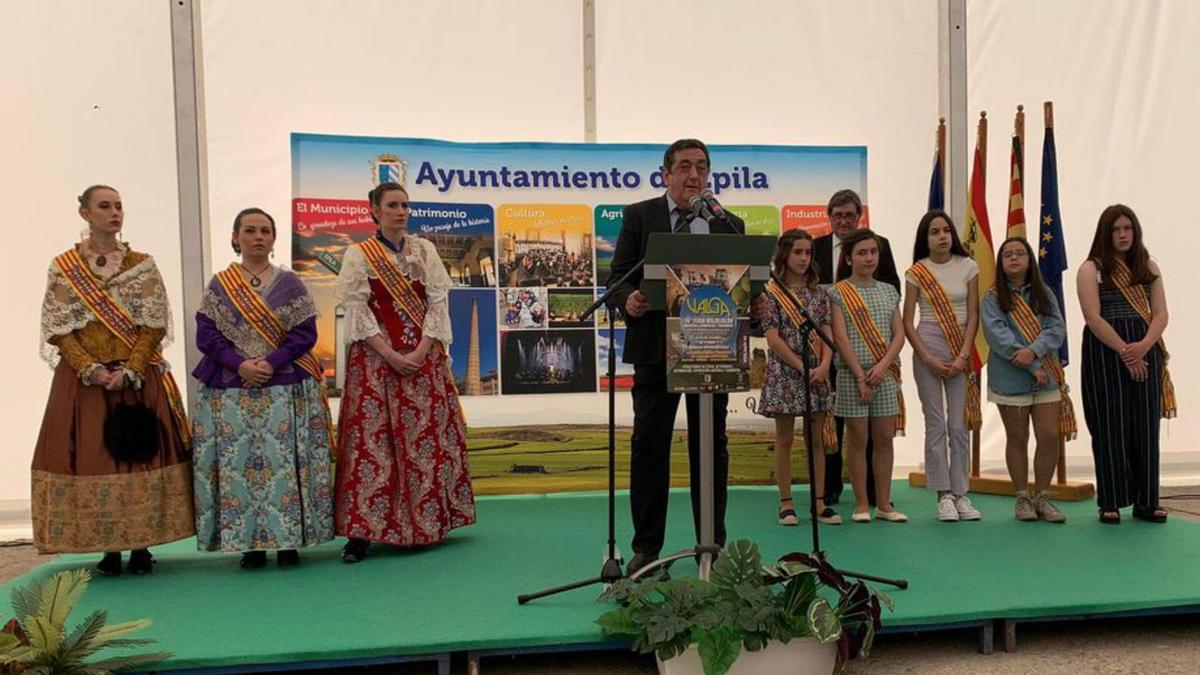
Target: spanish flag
{"points": [[978, 239]]}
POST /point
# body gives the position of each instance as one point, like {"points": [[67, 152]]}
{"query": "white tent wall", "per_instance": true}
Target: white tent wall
{"points": [[1123, 79], [87, 99], [803, 73], [464, 71]]}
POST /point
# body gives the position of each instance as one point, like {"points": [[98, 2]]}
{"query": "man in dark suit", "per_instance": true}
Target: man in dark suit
{"points": [[845, 211], [685, 171]]}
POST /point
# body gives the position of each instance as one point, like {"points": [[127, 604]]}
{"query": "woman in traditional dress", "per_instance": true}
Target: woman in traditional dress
{"points": [[112, 470], [402, 475], [1024, 330], [262, 423], [944, 282], [1126, 387], [784, 388], [869, 335]]}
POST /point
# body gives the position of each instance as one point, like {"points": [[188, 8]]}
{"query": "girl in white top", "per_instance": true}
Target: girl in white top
{"points": [[944, 282]]}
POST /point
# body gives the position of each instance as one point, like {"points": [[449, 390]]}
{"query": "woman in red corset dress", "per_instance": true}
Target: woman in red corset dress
{"points": [[402, 475]]}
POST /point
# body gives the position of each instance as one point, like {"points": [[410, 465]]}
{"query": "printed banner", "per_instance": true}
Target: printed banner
{"points": [[527, 232], [708, 328]]}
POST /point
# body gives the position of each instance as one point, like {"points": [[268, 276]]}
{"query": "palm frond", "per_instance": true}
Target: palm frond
{"points": [[61, 593], [44, 636], [26, 601], [121, 643], [109, 633], [80, 643]]}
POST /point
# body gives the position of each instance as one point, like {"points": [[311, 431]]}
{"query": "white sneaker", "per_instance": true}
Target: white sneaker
{"points": [[947, 512], [965, 510]]}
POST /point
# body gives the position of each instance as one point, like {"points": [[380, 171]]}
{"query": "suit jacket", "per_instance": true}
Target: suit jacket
{"points": [[826, 266], [646, 336]]}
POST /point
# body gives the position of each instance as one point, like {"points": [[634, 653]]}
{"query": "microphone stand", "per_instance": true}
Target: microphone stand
{"points": [[808, 328], [611, 570]]}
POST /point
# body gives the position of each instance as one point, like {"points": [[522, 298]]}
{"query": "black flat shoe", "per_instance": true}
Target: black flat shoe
{"points": [[252, 560], [288, 557], [640, 561], [1150, 514], [109, 565], [1112, 517], [354, 551], [141, 562]]}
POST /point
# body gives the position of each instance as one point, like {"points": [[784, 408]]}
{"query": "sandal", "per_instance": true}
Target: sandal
{"points": [[1150, 514], [1112, 517], [787, 516]]}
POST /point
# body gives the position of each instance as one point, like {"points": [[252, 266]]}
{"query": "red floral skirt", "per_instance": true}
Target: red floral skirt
{"points": [[402, 473]]}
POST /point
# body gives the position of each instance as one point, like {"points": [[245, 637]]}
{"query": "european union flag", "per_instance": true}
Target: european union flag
{"points": [[1052, 249], [937, 193]]}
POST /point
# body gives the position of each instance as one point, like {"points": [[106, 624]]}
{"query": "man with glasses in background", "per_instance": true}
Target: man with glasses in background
{"points": [[845, 212]]}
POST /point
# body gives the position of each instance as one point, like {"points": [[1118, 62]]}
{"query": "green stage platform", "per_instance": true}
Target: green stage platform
{"points": [[461, 596]]}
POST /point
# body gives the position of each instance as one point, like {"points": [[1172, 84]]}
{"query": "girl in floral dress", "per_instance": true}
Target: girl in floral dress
{"points": [[784, 390]]}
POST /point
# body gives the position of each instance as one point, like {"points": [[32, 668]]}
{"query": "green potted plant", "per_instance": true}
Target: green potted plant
{"points": [[772, 616], [36, 639]]}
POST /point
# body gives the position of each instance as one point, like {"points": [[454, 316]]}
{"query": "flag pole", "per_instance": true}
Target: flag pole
{"points": [[981, 144], [941, 150], [1061, 477], [1019, 131]]}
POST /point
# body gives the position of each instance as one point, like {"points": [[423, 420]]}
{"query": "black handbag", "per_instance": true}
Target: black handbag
{"points": [[131, 431]]}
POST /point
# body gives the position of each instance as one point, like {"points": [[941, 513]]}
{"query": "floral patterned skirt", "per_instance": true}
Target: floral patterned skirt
{"points": [[86, 501], [402, 473], [263, 475]]}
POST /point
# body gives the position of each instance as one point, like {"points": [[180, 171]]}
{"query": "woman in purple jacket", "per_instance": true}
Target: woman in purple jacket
{"points": [[261, 424]]}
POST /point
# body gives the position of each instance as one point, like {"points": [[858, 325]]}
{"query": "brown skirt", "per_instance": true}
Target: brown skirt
{"points": [[86, 501]]}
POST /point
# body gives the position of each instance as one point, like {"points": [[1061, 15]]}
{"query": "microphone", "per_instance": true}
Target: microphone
{"points": [[699, 208], [713, 207]]}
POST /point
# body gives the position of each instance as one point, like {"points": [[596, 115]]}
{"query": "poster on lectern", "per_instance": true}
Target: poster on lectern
{"points": [[527, 233], [708, 327]]}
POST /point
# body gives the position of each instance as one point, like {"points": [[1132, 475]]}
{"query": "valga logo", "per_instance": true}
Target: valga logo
{"points": [[708, 318], [714, 306]]}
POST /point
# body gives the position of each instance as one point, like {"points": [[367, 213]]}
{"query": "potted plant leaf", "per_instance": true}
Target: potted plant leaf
{"points": [[748, 617], [36, 640]]}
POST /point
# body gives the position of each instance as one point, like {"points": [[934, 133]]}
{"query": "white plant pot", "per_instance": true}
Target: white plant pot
{"points": [[800, 656]]}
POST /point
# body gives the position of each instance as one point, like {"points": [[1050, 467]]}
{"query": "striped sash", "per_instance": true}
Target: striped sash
{"points": [[90, 291], [784, 300], [255, 310], [871, 335], [955, 337], [1139, 299], [408, 300], [1030, 326]]}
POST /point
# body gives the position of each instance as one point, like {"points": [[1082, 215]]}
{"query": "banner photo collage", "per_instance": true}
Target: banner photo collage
{"points": [[527, 233]]}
